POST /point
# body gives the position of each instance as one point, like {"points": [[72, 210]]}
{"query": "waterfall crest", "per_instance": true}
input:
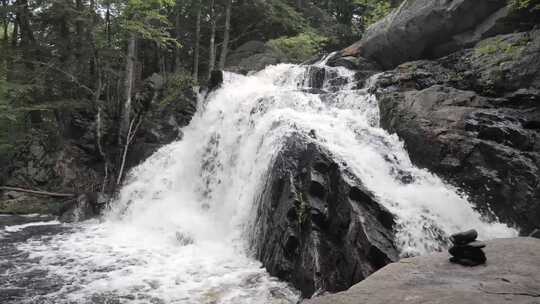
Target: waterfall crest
{"points": [[177, 233]]}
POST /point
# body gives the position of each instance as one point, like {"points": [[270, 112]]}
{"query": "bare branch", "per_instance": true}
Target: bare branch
{"points": [[45, 193]]}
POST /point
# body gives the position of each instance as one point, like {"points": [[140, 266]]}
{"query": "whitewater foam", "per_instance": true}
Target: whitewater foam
{"points": [[176, 233]]}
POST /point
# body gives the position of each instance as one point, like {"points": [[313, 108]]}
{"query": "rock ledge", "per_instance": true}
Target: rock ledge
{"points": [[511, 275]]}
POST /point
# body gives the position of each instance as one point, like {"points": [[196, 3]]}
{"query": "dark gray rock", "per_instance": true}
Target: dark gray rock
{"points": [[507, 19], [473, 118], [505, 63], [353, 63], [466, 250], [464, 237], [167, 111], [477, 259], [417, 26], [216, 80], [84, 207], [467, 255], [316, 77], [42, 162], [511, 275], [316, 225]]}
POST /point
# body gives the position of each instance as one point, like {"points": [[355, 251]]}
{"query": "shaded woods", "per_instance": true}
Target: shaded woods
{"points": [[76, 84]]}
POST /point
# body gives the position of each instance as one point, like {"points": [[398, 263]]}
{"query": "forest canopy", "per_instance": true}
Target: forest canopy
{"points": [[64, 57]]}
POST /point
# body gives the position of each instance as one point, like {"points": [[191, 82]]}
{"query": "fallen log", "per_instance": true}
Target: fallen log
{"points": [[36, 192]]}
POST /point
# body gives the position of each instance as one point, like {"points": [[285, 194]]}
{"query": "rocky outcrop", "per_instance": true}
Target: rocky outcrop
{"points": [[434, 28], [253, 56], [511, 275], [46, 164], [316, 225], [84, 207], [169, 107], [473, 118], [72, 163]]}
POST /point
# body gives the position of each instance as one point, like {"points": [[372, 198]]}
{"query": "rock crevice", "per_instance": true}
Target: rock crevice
{"points": [[316, 225]]}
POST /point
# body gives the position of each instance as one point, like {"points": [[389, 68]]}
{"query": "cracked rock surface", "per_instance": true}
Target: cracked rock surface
{"points": [[317, 225], [511, 275]]}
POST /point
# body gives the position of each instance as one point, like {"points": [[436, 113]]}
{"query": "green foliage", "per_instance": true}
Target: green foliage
{"points": [[498, 46], [176, 86], [280, 12], [532, 5], [7, 116], [300, 47], [374, 10], [148, 20]]}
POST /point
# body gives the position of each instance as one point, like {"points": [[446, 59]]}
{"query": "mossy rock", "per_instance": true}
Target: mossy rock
{"points": [[509, 50]]}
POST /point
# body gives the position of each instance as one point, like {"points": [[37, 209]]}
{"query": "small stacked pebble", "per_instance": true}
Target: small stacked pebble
{"points": [[466, 250]]}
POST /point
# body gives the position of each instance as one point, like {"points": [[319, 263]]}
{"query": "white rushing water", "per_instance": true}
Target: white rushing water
{"points": [[176, 232]]}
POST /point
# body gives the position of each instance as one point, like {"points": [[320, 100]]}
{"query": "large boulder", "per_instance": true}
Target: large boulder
{"points": [[316, 225], [511, 275], [169, 106], [433, 28], [474, 119]]}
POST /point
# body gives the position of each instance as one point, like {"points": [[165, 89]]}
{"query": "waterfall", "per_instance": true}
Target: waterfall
{"points": [[177, 232]]}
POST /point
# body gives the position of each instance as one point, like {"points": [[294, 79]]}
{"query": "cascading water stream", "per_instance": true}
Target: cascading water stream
{"points": [[176, 234]]}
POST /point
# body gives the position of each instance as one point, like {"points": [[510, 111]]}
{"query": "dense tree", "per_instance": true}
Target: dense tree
{"points": [[66, 58]]}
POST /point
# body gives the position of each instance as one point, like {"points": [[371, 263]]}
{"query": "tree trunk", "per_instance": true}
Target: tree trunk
{"points": [[226, 35], [108, 24], [28, 47], [15, 34], [28, 42], [197, 42], [23, 19], [79, 29], [212, 47], [178, 57], [99, 89], [99, 123], [66, 52], [37, 192], [5, 21], [128, 86]]}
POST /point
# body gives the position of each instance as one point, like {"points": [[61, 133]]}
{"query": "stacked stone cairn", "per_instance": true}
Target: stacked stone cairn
{"points": [[466, 250]]}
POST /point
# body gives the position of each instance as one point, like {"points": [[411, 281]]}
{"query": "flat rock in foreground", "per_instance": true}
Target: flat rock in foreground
{"points": [[511, 275]]}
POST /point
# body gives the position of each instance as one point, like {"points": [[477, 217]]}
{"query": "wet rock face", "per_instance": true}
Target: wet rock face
{"points": [[316, 226], [474, 118]]}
